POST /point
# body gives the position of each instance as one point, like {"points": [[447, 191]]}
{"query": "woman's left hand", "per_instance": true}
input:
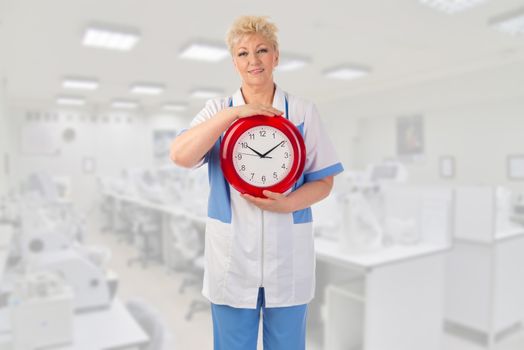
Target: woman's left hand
{"points": [[275, 201]]}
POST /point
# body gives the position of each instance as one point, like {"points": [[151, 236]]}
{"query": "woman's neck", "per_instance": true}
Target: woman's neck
{"points": [[263, 95]]}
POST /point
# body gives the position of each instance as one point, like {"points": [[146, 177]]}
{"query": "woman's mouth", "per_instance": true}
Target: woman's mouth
{"points": [[256, 71]]}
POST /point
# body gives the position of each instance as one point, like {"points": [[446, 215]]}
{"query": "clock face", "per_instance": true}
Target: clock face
{"points": [[262, 156], [262, 153]]}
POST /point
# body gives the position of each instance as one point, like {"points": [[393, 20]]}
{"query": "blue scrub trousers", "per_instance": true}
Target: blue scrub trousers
{"points": [[284, 328]]}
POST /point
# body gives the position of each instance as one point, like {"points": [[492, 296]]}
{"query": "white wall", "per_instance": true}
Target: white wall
{"points": [[115, 141], [4, 174], [477, 117]]}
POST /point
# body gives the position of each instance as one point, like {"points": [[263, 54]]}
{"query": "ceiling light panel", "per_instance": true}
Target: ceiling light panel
{"points": [[147, 89], [80, 84], [124, 104], [290, 63], [175, 107], [346, 72], [70, 101], [204, 52], [512, 23], [451, 6], [101, 36], [206, 93]]}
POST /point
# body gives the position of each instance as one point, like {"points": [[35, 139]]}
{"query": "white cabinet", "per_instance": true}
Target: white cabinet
{"points": [[485, 284], [395, 302]]}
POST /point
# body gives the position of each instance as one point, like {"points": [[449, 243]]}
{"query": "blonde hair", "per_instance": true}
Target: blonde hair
{"points": [[247, 25]]}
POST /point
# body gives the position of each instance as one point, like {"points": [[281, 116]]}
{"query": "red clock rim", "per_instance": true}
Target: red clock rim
{"points": [[242, 125]]}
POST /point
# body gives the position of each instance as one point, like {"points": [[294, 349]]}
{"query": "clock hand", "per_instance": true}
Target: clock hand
{"points": [[254, 155], [265, 154], [258, 153]]}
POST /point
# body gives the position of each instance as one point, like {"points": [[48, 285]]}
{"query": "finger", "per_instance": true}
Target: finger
{"points": [[274, 111], [251, 198], [272, 195]]}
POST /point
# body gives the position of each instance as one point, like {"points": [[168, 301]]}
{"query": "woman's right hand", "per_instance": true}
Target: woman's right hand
{"points": [[252, 109]]}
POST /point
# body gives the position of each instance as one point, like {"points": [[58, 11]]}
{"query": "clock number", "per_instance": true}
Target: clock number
{"points": [[263, 133], [283, 166], [286, 155], [263, 179], [239, 156], [244, 144], [283, 144], [243, 167], [251, 136], [275, 175], [252, 175], [274, 136]]}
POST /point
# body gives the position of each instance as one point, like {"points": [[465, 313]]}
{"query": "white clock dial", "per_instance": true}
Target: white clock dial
{"points": [[262, 156]]}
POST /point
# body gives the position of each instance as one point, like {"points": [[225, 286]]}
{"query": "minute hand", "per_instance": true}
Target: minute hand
{"points": [[265, 154]]}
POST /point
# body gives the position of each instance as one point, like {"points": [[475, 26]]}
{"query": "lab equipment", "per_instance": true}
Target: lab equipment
{"points": [[362, 197], [41, 308], [82, 268], [361, 230]]}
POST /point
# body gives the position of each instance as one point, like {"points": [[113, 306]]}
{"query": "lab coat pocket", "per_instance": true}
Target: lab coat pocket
{"points": [[303, 253], [217, 255]]}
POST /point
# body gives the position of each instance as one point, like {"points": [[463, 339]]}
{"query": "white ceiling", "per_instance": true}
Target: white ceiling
{"points": [[402, 41]]}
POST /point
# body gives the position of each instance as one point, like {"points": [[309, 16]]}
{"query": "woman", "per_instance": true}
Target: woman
{"points": [[259, 252]]}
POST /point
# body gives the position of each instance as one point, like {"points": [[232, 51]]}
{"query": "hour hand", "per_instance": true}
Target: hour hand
{"points": [[258, 153]]}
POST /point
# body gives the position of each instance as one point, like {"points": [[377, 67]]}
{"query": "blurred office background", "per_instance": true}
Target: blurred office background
{"points": [[420, 245]]}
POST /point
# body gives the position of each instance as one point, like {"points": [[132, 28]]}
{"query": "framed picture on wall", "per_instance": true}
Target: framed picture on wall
{"points": [[446, 166], [515, 166], [410, 137]]}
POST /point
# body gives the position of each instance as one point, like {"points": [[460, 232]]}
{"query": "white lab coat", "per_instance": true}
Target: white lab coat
{"points": [[247, 248]]}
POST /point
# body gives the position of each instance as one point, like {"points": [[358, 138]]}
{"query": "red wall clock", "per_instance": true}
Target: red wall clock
{"points": [[262, 153]]}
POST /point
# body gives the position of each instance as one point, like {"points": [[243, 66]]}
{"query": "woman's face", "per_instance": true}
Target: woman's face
{"points": [[254, 58]]}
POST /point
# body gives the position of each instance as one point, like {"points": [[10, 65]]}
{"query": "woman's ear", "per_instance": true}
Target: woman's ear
{"points": [[277, 58]]}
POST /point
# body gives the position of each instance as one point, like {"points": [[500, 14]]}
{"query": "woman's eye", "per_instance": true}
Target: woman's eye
{"points": [[243, 53], [262, 51]]}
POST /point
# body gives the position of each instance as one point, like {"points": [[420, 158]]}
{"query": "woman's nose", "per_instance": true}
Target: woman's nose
{"points": [[254, 59]]}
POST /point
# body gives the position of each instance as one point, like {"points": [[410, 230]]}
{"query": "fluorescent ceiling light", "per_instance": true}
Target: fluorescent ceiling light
{"points": [[451, 6], [80, 84], [70, 101], [102, 36], [512, 23], [175, 107], [204, 52], [346, 72], [290, 63], [125, 104], [205, 93], [147, 89]]}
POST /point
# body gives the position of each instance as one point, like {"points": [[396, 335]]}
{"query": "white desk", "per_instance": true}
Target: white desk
{"points": [[328, 250], [394, 299], [165, 208], [113, 328], [167, 211]]}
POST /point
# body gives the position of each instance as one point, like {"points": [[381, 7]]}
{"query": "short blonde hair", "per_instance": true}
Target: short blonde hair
{"points": [[247, 25]]}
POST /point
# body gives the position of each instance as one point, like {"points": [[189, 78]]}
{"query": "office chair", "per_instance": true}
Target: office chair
{"points": [[147, 234], [152, 324]]}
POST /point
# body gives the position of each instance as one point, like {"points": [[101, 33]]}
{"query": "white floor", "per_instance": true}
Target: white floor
{"points": [[160, 289]]}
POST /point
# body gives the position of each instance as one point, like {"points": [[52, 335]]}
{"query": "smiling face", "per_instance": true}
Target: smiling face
{"points": [[255, 58]]}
